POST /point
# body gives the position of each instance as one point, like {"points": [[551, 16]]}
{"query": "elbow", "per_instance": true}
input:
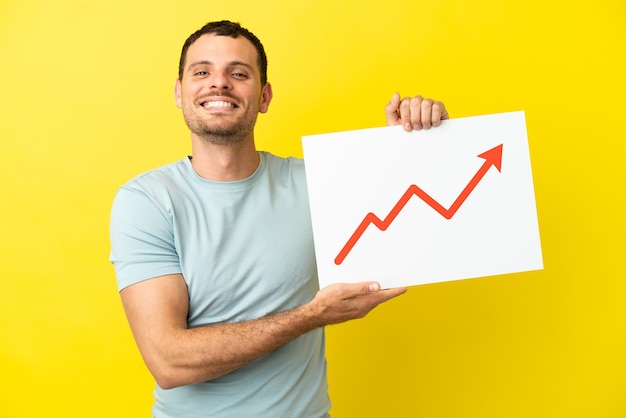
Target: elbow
{"points": [[167, 383], [170, 371], [171, 376], [167, 378]]}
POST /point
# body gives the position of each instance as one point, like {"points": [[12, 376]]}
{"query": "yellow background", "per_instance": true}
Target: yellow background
{"points": [[87, 102]]}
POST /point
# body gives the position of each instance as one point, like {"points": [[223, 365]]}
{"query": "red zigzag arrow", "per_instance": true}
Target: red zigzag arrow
{"points": [[492, 157]]}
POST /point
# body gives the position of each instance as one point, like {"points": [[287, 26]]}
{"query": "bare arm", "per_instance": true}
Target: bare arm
{"points": [[177, 355]]}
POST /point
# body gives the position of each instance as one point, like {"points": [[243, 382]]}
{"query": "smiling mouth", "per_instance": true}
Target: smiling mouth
{"points": [[218, 104]]}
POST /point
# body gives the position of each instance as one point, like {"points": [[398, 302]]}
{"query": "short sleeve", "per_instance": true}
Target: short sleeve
{"points": [[142, 238]]}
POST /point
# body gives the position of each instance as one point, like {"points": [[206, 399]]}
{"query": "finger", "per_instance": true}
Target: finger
{"points": [[347, 291], [365, 288], [391, 110], [416, 113], [426, 116], [368, 288], [393, 292], [406, 113], [439, 113], [373, 287], [382, 296]]}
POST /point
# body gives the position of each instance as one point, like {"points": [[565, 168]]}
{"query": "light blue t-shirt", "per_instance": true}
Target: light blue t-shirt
{"points": [[245, 250]]}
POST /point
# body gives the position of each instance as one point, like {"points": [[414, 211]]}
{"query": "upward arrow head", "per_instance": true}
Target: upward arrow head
{"points": [[493, 157]]}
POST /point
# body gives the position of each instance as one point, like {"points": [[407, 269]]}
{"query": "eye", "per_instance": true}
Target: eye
{"points": [[242, 76], [201, 73]]}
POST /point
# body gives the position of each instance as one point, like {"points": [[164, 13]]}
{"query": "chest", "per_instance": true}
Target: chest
{"points": [[244, 255]]}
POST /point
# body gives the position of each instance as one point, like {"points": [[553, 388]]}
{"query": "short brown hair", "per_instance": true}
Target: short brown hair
{"points": [[226, 28]]}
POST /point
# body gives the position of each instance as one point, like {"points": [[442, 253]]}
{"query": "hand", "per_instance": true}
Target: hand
{"points": [[415, 112], [342, 302]]}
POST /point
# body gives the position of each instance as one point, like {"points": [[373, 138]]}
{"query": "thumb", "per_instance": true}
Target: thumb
{"points": [[370, 287], [391, 110]]}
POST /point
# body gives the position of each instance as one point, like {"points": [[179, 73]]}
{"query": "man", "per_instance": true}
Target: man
{"points": [[214, 253]]}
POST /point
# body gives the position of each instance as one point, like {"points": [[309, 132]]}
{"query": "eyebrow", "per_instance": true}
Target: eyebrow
{"points": [[230, 64]]}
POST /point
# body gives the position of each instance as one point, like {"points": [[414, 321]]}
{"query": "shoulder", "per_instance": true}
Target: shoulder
{"points": [[275, 159], [149, 196], [159, 177], [284, 166], [158, 185]]}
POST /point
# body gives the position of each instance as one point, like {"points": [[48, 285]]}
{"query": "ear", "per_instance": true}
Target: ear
{"points": [[266, 98], [178, 94]]}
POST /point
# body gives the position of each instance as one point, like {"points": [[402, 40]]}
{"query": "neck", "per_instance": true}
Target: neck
{"points": [[230, 162]]}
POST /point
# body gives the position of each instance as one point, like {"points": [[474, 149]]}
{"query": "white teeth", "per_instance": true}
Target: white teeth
{"points": [[217, 104]]}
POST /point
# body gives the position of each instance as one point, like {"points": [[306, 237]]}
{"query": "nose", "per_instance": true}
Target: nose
{"points": [[220, 81]]}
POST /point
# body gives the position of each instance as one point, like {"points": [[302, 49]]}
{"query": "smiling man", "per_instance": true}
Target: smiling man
{"points": [[226, 113], [214, 253]]}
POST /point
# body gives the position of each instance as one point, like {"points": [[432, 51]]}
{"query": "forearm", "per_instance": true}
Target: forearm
{"points": [[193, 355], [177, 355]]}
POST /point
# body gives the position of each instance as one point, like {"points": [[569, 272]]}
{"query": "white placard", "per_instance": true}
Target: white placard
{"points": [[409, 208]]}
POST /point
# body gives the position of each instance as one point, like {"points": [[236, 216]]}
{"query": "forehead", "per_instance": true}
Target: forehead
{"points": [[222, 50]]}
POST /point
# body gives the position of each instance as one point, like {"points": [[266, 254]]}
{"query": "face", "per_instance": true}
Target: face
{"points": [[221, 93]]}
